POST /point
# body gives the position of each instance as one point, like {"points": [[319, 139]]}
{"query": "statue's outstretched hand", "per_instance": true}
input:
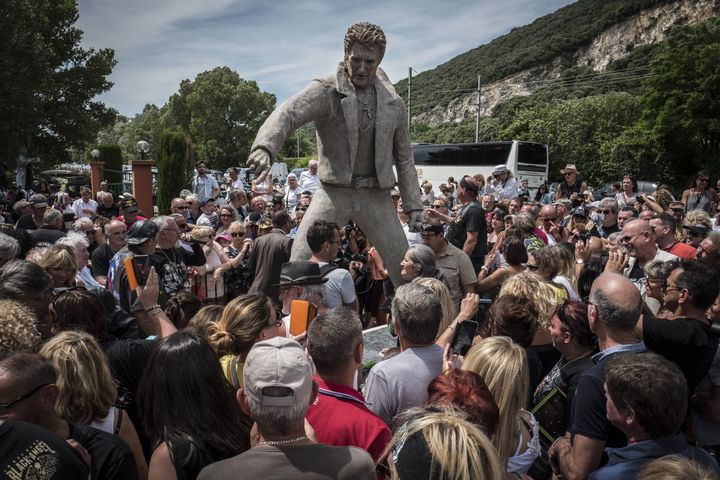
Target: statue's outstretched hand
{"points": [[416, 220], [259, 162]]}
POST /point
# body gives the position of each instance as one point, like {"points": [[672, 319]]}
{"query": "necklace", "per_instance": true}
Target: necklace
{"points": [[282, 442]]}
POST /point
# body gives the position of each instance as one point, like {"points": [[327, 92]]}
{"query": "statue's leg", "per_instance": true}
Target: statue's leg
{"points": [[378, 219], [329, 204]]}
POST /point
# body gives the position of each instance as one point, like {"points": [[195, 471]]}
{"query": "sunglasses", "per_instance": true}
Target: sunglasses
{"points": [[225, 215], [301, 209], [703, 179], [182, 208], [182, 225], [5, 407], [237, 234]]}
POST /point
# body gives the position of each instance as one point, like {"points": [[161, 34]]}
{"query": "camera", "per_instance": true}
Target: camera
{"points": [[358, 257]]}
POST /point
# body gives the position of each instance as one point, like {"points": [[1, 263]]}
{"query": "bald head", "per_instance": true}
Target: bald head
{"points": [[617, 302], [639, 239]]}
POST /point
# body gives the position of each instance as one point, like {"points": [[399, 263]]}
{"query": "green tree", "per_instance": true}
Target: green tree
{"points": [[221, 113], [47, 81], [577, 131], [172, 162], [682, 98]]}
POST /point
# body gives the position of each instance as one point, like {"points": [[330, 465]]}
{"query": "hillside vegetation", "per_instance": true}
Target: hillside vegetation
{"points": [[555, 35]]}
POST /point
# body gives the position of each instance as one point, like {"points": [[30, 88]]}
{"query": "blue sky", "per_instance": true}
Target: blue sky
{"points": [[280, 44]]}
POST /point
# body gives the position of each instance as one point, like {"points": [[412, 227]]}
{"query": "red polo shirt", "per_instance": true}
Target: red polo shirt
{"points": [[683, 250], [339, 417]]}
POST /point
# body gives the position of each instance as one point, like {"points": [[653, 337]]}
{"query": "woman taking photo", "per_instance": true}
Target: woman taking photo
{"points": [[515, 256], [189, 410], [497, 226]]}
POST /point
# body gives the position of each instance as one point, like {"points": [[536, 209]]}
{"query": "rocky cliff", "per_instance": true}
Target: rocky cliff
{"points": [[648, 27]]}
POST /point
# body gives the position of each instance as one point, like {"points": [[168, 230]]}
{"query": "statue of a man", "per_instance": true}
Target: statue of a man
{"points": [[362, 132]]}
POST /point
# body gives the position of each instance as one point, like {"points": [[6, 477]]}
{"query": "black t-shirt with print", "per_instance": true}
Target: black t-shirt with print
{"points": [[29, 451], [470, 218]]}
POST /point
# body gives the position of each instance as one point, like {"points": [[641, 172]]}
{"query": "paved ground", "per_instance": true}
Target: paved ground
{"points": [[375, 340]]}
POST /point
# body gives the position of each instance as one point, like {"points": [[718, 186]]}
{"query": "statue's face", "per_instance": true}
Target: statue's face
{"points": [[362, 63]]}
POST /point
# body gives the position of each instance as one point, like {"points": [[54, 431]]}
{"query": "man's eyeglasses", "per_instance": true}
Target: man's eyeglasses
{"points": [[4, 408], [666, 287], [629, 239]]}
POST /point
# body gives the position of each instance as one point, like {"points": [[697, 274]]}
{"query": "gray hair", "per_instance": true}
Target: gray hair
{"points": [[609, 203], [525, 222], [52, 216], [9, 247], [236, 194], [279, 419], [184, 193], [291, 175], [313, 293], [193, 197], [423, 256], [23, 279], [78, 224], [72, 240], [333, 338], [162, 221], [714, 237], [614, 315], [615, 237], [418, 312], [659, 270]]}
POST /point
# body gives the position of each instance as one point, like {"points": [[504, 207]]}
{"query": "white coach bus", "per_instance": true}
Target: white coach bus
{"points": [[526, 160]]}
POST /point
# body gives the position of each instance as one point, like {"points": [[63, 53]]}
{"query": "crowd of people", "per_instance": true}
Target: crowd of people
{"points": [[161, 345]]}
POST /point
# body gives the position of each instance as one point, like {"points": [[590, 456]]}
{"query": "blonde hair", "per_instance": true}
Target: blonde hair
{"points": [[676, 467], [531, 286], [241, 322], [18, 332], [59, 257], [503, 365], [697, 217], [236, 226], [86, 388], [201, 232], [443, 294], [459, 449]]}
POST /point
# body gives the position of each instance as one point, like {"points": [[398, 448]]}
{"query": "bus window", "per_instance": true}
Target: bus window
{"points": [[533, 153], [436, 155], [489, 154]]}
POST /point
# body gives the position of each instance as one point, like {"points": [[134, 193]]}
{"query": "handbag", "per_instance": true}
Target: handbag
{"points": [[549, 413]]}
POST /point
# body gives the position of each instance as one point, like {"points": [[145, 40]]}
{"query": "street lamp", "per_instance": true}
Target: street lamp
{"points": [[95, 154], [142, 148]]}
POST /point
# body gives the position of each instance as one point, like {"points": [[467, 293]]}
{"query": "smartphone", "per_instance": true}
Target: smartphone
{"points": [[464, 334], [137, 269], [302, 313]]}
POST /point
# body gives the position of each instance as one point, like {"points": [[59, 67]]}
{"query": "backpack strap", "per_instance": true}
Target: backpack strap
{"points": [[326, 269]]}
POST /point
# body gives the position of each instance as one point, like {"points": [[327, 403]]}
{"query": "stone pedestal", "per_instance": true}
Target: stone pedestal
{"points": [[142, 185]]}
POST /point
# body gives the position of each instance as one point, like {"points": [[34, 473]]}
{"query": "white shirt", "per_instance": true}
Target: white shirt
{"points": [[78, 206], [308, 181]]}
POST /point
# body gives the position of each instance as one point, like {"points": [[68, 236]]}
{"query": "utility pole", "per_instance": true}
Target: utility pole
{"points": [[408, 100], [477, 115], [298, 142]]}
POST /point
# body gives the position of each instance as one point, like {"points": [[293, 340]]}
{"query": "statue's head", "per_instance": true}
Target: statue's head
{"points": [[364, 50]]}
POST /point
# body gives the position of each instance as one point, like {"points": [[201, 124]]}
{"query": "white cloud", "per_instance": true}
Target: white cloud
{"points": [[280, 44]]}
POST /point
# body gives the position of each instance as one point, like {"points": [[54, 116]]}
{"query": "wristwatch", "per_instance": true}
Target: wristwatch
{"points": [[579, 261]]}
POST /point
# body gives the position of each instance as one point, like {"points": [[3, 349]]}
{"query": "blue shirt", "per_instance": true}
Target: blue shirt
{"points": [[627, 462]]}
